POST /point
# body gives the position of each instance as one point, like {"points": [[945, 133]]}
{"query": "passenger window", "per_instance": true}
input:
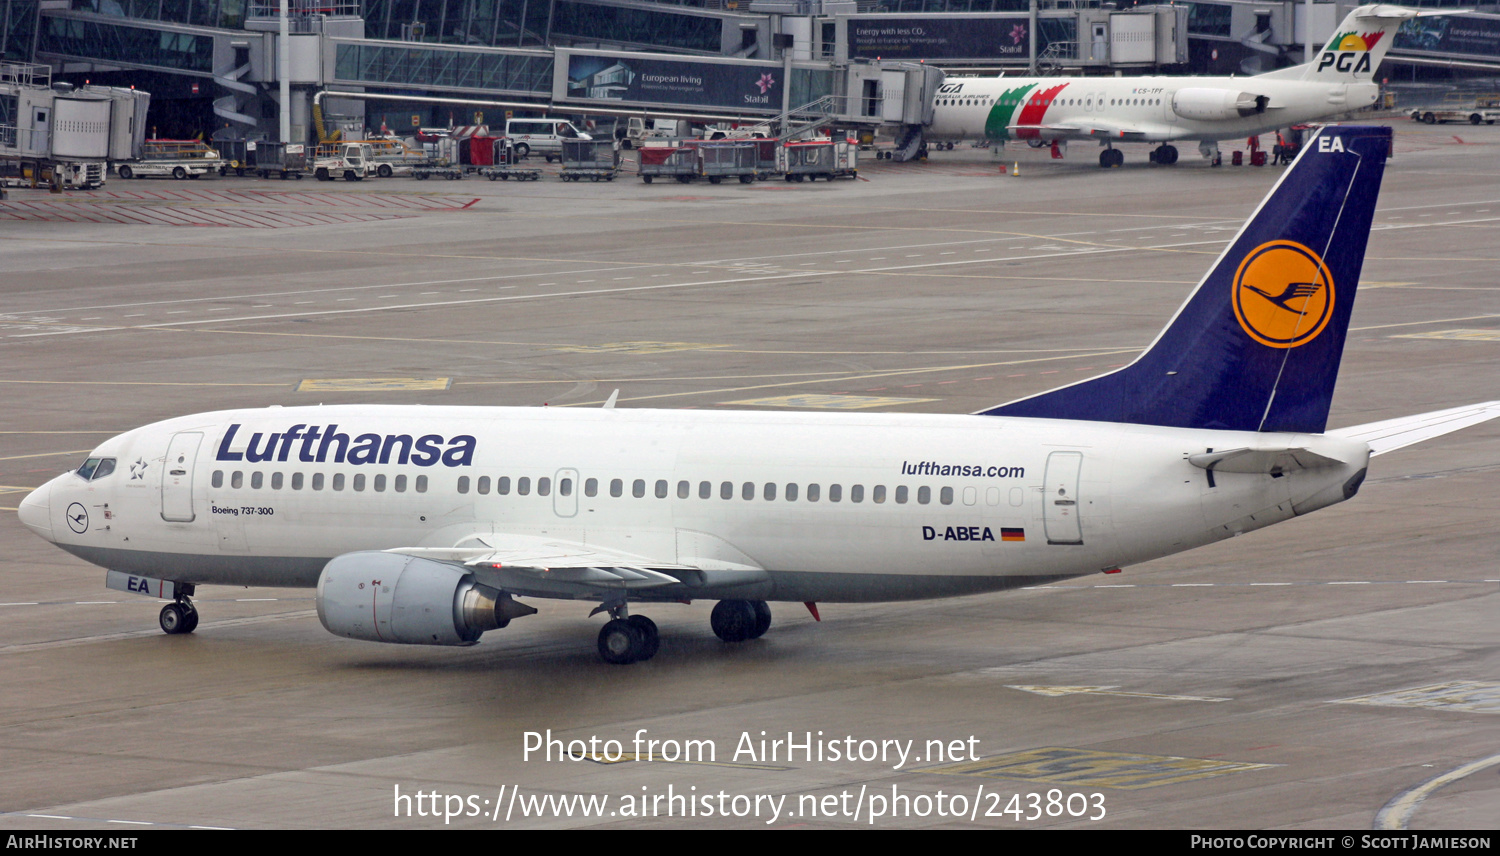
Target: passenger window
{"points": [[463, 484], [275, 481], [770, 491], [726, 490], [971, 496], [400, 484], [359, 481], [297, 481], [791, 492], [317, 481], [835, 492], [856, 493], [992, 496], [502, 485], [812, 493], [257, 479], [684, 490], [877, 493], [523, 485], [380, 483], [946, 496], [901, 495], [747, 490], [237, 480], [543, 486], [661, 488], [590, 487], [705, 490], [924, 495], [218, 478], [564, 487], [421, 484], [616, 487], [638, 488], [483, 486], [338, 481]]}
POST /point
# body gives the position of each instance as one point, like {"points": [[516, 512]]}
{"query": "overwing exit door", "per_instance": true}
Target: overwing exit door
{"points": [[1060, 508]]}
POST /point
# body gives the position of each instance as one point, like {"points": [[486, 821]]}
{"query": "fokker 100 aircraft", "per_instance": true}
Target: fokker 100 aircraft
{"points": [[430, 525], [1053, 110]]}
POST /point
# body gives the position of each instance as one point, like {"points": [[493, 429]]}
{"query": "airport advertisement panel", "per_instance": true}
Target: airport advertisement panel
{"points": [[938, 38], [1471, 35], [660, 80]]}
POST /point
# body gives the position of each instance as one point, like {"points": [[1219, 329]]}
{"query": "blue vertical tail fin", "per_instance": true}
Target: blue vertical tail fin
{"points": [[1257, 345]]}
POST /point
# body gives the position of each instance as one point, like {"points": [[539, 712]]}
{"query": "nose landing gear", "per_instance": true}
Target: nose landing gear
{"points": [[179, 616]]}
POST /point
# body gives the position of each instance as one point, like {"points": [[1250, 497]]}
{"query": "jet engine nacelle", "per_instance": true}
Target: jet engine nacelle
{"points": [[1216, 104], [389, 597]]}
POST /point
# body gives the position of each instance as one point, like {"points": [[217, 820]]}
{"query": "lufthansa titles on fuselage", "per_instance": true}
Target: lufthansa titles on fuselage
{"points": [[320, 445]]}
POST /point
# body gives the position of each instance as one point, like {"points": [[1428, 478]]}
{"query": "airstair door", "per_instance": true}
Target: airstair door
{"points": [[177, 477], [1060, 506]]}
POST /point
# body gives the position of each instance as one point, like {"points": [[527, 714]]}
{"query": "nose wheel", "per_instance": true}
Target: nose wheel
{"points": [[178, 617]]}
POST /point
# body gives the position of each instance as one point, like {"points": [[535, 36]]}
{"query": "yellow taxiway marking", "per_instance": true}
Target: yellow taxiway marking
{"points": [[46, 455], [828, 402], [1109, 691], [372, 384], [1092, 768], [1455, 335], [1469, 696]]}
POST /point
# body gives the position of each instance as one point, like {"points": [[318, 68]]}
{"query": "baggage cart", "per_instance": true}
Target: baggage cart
{"points": [[723, 159], [276, 158], [813, 159], [426, 171], [592, 159], [668, 161], [505, 169]]}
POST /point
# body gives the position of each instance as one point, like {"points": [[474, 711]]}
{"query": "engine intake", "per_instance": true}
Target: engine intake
{"points": [[388, 597], [1215, 104]]}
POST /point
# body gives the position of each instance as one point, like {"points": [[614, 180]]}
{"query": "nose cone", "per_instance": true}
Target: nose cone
{"points": [[36, 511]]}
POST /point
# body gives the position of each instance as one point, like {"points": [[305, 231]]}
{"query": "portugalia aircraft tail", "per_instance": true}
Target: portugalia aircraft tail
{"points": [[1358, 45], [1257, 345]]}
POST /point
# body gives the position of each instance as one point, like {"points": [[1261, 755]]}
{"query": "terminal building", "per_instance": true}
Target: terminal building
{"points": [[230, 68]]}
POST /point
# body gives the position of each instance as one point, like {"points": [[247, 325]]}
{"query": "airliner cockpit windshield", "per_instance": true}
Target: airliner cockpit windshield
{"points": [[94, 469]]}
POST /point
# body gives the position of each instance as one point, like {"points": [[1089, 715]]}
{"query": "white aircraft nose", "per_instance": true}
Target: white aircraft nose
{"points": [[36, 511]]}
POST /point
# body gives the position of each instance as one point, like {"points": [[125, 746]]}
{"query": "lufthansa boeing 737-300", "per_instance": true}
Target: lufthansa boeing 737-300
{"points": [[1053, 110], [429, 525]]}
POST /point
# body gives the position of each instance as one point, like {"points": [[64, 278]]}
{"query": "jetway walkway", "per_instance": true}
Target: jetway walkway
{"points": [[863, 94]]}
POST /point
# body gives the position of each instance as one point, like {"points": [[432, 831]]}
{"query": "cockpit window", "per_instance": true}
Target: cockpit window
{"points": [[94, 469]]}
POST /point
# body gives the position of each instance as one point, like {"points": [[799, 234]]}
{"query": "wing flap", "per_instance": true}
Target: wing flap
{"points": [[1389, 435]]}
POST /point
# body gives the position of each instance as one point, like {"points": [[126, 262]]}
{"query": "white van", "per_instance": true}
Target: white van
{"points": [[541, 136]]}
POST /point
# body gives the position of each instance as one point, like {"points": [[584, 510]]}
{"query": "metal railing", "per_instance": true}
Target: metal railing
{"points": [[26, 74], [305, 8]]}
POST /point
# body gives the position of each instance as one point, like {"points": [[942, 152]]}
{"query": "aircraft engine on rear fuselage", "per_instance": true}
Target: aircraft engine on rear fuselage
{"points": [[390, 597], [1216, 104]]}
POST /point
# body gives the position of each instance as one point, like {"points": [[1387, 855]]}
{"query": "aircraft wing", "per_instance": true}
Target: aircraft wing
{"points": [[550, 567], [1392, 434], [1094, 130]]}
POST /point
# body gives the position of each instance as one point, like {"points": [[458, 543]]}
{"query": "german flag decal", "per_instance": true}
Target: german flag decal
{"points": [[1012, 534]]}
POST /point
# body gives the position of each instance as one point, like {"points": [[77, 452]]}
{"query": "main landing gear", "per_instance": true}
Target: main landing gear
{"points": [[1111, 157], [1164, 155], [179, 616], [627, 638]]}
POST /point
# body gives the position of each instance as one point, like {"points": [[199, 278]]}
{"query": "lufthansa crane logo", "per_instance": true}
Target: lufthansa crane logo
{"points": [[1283, 294]]}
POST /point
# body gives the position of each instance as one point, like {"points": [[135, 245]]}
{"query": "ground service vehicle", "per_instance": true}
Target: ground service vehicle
{"points": [[349, 161], [1461, 107], [179, 159], [541, 136]]}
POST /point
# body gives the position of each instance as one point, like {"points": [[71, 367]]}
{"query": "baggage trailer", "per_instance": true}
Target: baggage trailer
{"points": [[177, 158], [591, 159], [813, 159], [505, 168], [426, 171], [288, 160], [765, 158], [722, 159], [668, 160]]}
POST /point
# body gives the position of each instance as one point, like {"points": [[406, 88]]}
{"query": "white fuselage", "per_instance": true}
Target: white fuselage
{"points": [[1134, 109], [922, 505]]}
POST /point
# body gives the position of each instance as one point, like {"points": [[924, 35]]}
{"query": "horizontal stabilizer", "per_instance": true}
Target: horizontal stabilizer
{"points": [[1392, 434], [1265, 461]]}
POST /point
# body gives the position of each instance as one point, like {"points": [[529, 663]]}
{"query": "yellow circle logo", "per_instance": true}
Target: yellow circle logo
{"points": [[1283, 294]]}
